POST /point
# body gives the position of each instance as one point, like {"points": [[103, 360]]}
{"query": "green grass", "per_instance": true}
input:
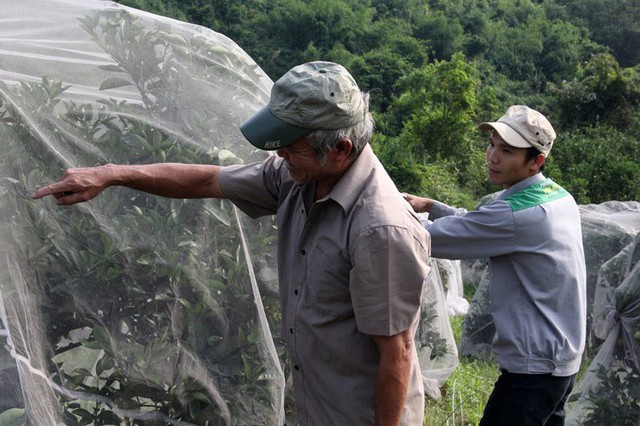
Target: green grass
{"points": [[465, 393]]}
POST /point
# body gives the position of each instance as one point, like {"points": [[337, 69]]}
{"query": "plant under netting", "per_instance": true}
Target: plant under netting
{"points": [[609, 392], [131, 308], [436, 346]]}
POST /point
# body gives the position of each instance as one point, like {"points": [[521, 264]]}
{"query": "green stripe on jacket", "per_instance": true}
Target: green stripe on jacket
{"points": [[536, 194]]}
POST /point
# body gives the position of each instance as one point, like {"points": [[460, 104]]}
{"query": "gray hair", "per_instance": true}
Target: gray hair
{"points": [[359, 134]]}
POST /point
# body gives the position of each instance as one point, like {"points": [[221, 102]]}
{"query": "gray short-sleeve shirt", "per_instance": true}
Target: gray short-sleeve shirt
{"points": [[350, 265]]}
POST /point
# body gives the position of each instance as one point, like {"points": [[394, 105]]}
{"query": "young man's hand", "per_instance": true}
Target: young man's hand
{"points": [[419, 204]]}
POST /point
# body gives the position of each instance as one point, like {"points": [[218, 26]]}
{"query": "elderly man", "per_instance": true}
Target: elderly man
{"points": [[352, 256]]}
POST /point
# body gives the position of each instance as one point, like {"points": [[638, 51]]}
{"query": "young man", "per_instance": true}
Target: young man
{"points": [[532, 236], [352, 257]]}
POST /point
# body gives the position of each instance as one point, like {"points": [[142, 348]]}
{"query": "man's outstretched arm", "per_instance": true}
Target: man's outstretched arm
{"points": [[173, 180]]}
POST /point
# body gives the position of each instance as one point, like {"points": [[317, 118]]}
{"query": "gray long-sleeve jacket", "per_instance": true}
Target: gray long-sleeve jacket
{"points": [[532, 235]]}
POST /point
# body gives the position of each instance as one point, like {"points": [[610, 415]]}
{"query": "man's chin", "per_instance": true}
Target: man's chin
{"points": [[296, 179]]}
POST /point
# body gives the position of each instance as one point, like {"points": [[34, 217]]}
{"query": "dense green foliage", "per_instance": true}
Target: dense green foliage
{"points": [[435, 68]]}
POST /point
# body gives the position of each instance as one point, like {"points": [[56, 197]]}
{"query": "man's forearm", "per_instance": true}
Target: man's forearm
{"points": [[392, 380], [391, 393], [173, 180]]}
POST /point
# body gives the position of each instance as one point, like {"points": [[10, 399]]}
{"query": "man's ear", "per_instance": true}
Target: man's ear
{"points": [[539, 160], [343, 149]]}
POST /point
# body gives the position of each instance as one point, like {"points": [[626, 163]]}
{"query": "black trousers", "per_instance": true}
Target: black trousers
{"points": [[527, 400]]}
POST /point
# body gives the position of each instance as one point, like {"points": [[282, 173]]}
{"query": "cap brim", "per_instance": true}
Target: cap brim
{"points": [[507, 134], [266, 131]]}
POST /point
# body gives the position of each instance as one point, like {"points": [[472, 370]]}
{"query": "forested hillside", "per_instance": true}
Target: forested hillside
{"points": [[435, 68]]}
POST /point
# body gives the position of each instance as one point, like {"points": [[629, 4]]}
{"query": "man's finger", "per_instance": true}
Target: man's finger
{"points": [[41, 193], [50, 190]]}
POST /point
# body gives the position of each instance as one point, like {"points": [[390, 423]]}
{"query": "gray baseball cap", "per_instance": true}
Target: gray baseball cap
{"points": [[523, 127], [311, 96]]}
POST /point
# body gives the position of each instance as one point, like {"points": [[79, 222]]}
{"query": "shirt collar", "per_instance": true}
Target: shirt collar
{"points": [[348, 188], [538, 177]]}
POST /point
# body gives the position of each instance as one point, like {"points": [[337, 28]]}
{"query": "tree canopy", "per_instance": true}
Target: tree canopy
{"points": [[435, 68]]}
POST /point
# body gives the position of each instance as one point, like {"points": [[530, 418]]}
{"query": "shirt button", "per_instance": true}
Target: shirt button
{"points": [[303, 252], [295, 291], [295, 367], [291, 330]]}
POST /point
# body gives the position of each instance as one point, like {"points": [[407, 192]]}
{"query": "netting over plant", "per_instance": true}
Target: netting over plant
{"points": [[131, 305], [131, 308], [609, 392]]}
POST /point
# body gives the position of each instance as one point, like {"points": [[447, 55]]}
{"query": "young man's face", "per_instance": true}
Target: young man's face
{"points": [[507, 165]]}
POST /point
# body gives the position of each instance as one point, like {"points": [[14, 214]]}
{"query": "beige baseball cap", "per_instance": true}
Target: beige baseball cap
{"points": [[311, 96], [523, 127]]}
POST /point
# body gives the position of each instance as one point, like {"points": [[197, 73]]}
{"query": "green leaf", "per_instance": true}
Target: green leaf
{"points": [[217, 212], [13, 417], [113, 68], [227, 157], [105, 363], [84, 414], [113, 83], [199, 396], [102, 336], [146, 259], [175, 39], [184, 302], [109, 418], [156, 137], [92, 345]]}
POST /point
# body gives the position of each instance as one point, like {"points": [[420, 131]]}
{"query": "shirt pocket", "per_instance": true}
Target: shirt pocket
{"points": [[327, 283]]}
